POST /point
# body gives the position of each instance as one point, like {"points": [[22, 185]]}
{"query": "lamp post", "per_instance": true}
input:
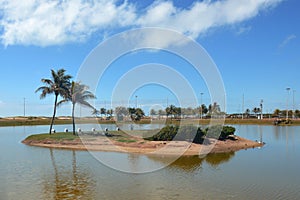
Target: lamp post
{"points": [[24, 107], [201, 94], [287, 103], [261, 109], [136, 101], [294, 104]]}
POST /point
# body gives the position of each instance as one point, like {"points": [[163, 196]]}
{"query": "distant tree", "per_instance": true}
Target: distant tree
{"points": [[110, 112], [172, 111], [121, 112], [256, 110], [276, 112], [161, 113], [139, 114], [136, 114], [153, 112], [247, 112], [59, 85], [214, 108], [102, 111]]}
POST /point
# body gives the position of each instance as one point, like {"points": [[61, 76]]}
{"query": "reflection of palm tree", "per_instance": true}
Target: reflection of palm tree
{"points": [[77, 185], [59, 84]]}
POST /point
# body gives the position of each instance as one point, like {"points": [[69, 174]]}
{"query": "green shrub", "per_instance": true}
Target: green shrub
{"points": [[191, 133]]}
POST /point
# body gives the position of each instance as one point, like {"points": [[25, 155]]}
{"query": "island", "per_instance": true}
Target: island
{"points": [[170, 140]]}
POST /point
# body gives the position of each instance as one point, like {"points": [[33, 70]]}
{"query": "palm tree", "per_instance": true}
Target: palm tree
{"points": [[59, 84], [78, 94]]}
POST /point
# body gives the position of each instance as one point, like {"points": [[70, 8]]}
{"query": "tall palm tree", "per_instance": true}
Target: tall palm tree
{"points": [[78, 93], [59, 85]]}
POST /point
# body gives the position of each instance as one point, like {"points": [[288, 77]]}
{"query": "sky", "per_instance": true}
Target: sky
{"points": [[255, 46]]}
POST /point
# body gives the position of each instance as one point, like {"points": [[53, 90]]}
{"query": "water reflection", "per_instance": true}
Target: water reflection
{"points": [[68, 182], [194, 163]]}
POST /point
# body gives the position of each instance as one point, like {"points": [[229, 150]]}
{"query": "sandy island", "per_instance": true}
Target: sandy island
{"points": [[147, 147]]}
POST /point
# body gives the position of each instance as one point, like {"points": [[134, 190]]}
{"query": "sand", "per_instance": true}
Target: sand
{"points": [[148, 147]]}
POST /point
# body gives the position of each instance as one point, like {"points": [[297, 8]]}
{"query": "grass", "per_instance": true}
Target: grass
{"points": [[126, 140], [56, 136]]}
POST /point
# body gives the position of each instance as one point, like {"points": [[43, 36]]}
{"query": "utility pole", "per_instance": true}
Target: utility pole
{"points": [[261, 109], [167, 102], [287, 103], [24, 106], [201, 104], [243, 105], [294, 104], [136, 101]]}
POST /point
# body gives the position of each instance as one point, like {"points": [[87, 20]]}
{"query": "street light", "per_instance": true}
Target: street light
{"points": [[201, 105], [136, 101], [261, 109], [287, 103], [294, 104]]}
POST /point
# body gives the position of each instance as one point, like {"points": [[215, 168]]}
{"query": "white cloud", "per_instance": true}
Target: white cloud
{"points": [[287, 40], [44, 22]]}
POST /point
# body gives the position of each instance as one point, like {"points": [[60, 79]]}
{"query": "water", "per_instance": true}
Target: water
{"points": [[41, 173]]}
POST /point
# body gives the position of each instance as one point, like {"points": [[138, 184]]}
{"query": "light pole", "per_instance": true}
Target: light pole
{"points": [[294, 104], [261, 109], [201, 94], [136, 101], [24, 106], [287, 103]]}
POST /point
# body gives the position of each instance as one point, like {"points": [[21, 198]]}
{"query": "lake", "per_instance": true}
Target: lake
{"points": [[271, 172]]}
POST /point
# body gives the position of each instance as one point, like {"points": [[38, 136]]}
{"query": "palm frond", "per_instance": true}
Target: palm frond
{"points": [[62, 102]]}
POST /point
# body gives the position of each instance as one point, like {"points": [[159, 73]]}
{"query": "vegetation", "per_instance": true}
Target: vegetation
{"points": [[78, 93], [58, 85], [56, 136], [192, 133]]}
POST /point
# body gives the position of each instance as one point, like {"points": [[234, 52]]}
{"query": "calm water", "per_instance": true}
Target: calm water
{"points": [[271, 172]]}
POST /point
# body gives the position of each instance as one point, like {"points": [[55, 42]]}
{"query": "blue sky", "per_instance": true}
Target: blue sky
{"points": [[255, 45]]}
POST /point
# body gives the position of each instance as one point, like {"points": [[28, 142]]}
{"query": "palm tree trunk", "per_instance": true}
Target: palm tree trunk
{"points": [[54, 113], [73, 118]]}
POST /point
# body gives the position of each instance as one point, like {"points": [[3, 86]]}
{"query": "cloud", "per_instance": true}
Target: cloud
{"points": [[44, 22], [287, 40]]}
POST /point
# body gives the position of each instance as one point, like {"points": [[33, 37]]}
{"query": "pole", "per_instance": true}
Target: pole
{"points": [[294, 104], [287, 103], [261, 109], [136, 101], [243, 105], [24, 107], [201, 105]]}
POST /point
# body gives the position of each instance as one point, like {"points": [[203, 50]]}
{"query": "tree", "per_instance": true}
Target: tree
{"points": [[110, 112], [139, 114], [59, 85], [121, 112], [161, 112], [214, 108], [78, 94], [172, 110], [247, 112], [136, 114], [256, 110], [152, 112], [102, 111], [96, 112]]}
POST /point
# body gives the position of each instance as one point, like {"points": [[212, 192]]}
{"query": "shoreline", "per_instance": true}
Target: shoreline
{"points": [[141, 146], [32, 121]]}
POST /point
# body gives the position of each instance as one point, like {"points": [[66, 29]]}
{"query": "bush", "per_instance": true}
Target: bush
{"points": [[165, 134], [219, 132], [191, 133]]}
